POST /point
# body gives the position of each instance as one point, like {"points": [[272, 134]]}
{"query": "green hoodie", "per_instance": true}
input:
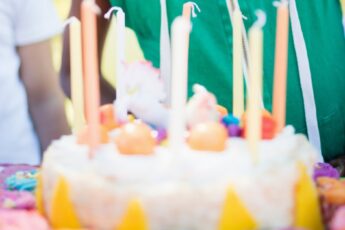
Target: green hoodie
{"points": [[210, 56]]}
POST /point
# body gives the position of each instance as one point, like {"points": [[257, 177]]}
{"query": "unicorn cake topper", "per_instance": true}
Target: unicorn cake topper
{"points": [[143, 94], [202, 107]]}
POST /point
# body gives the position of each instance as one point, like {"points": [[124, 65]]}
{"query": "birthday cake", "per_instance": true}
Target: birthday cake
{"points": [[135, 181], [184, 166]]}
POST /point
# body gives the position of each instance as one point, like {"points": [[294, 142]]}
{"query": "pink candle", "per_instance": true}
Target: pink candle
{"points": [[91, 71], [280, 67]]}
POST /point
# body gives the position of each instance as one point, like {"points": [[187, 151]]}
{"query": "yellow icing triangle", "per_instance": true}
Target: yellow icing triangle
{"points": [[39, 194], [307, 209], [134, 218], [235, 216], [63, 214]]}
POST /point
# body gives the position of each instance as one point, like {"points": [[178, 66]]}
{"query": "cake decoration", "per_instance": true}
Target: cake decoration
{"points": [[161, 134], [230, 120], [208, 136], [202, 107], [135, 138], [325, 170], [63, 214], [107, 117], [222, 110], [235, 215], [332, 190], [134, 218], [143, 95], [307, 213], [268, 125]]}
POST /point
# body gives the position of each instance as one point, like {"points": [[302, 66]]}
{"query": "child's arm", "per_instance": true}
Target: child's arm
{"points": [[45, 97], [107, 91]]}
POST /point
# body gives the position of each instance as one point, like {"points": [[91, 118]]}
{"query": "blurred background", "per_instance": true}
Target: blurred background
{"points": [[133, 51]]}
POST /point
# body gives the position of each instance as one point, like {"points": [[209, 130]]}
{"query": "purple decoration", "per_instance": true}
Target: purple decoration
{"points": [[325, 170], [234, 130], [161, 134]]}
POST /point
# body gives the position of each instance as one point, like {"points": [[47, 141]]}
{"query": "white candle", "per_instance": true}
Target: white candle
{"points": [[180, 44], [253, 131], [120, 30], [238, 98]]}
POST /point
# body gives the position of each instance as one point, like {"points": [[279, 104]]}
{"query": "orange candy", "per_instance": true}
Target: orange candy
{"points": [[332, 190], [107, 117], [83, 136], [135, 138], [268, 125], [222, 111], [209, 136]]}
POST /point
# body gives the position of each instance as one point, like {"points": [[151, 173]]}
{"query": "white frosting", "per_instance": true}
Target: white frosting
{"points": [[180, 190]]}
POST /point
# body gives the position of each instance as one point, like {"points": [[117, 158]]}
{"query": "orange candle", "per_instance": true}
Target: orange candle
{"points": [[91, 71], [280, 67]]}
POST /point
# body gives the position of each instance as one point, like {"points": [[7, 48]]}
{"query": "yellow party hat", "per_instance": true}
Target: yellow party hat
{"points": [[134, 218], [63, 214], [39, 194], [235, 215], [307, 209]]}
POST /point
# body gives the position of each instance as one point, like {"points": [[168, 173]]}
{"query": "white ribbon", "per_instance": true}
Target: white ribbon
{"points": [[305, 80]]}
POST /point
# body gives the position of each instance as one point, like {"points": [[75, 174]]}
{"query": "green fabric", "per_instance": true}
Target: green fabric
{"points": [[210, 56]]}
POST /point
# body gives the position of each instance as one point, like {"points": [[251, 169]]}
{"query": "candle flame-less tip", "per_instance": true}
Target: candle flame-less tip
{"points": [[111, 10], [194, 7], [69, 21], [261, 19], [92, 4]]}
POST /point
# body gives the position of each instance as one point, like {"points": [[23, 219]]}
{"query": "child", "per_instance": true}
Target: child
{"points": [[31, 102], [210, 56]]}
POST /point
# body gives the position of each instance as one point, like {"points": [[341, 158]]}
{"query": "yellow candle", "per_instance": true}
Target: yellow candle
{"points": [[280, 67], [238, 98], [91, 71], [76, 75], [253, 131]]}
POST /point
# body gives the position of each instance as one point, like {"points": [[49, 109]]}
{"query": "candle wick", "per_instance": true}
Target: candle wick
{"points": [[194, 7], [70, 20], [261, 19], [111, 10], [280, 3]]}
